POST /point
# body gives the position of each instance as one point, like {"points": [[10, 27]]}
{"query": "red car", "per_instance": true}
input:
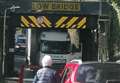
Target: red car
{"points": [[91, 72]]}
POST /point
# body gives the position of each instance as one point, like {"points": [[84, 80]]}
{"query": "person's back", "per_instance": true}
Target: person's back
{"points": [[46, 74]]}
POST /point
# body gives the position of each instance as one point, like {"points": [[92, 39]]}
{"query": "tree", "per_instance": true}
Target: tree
{"points": [[115, 30]]}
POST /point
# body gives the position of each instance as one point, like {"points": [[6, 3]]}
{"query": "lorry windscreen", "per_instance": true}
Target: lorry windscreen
{"points": [[55, 47]]}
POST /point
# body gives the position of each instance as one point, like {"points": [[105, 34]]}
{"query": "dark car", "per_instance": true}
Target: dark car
{"points": [[91, 72], [20, 49]]}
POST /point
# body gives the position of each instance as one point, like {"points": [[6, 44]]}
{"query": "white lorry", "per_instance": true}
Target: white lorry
{"points": [[58, 45]]}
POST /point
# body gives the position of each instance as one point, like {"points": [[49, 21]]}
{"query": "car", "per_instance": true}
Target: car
{"points": [[77, 71]]}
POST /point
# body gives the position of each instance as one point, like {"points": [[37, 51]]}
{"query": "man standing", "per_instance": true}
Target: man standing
{"points": [[46, 74]]}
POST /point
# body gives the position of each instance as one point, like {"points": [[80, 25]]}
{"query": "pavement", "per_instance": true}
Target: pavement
{"points": [[28, 73]]}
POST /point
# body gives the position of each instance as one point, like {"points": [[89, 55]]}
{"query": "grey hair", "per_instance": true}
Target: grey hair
{"points": [[47, 61]]}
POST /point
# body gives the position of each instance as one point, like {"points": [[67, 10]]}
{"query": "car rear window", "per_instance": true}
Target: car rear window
{"points": [[98, 73]]}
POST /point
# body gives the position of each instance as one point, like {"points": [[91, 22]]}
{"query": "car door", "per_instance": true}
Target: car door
{"points": [[66, 76]]}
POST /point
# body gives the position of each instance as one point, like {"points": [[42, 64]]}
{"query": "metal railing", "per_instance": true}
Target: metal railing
{"points": [[76, 0]]}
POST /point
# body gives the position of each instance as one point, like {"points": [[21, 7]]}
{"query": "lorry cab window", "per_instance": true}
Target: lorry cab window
{"points": [[55, 47]]}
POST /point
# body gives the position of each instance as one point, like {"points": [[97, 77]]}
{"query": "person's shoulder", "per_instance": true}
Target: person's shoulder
{"points": [[40, 70], [51, 69]]}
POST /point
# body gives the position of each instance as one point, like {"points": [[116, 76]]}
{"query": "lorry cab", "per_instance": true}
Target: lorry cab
{"points": [[55, 43]]}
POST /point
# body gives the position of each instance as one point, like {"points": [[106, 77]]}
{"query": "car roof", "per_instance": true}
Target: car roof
{"points": [[79, 61], [101, 63], [76, 61], [94, 63]]}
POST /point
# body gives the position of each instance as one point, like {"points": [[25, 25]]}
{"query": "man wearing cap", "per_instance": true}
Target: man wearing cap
{"points": [[46, 74]]}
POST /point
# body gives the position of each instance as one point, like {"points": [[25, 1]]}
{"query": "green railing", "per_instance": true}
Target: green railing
{"points": [[77, 0]]}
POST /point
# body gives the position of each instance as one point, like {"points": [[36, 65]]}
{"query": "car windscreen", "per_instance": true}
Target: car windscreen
{"points": [[98, 73]]}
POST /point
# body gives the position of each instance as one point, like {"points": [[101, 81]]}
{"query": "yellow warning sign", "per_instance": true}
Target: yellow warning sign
{"points": [[32, 21], [55, 6], [61, 22], [71, 22]]}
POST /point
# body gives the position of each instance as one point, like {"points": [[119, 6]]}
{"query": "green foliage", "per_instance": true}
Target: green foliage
{"points": [[116, 1], [115, 28], [116, 7]]}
